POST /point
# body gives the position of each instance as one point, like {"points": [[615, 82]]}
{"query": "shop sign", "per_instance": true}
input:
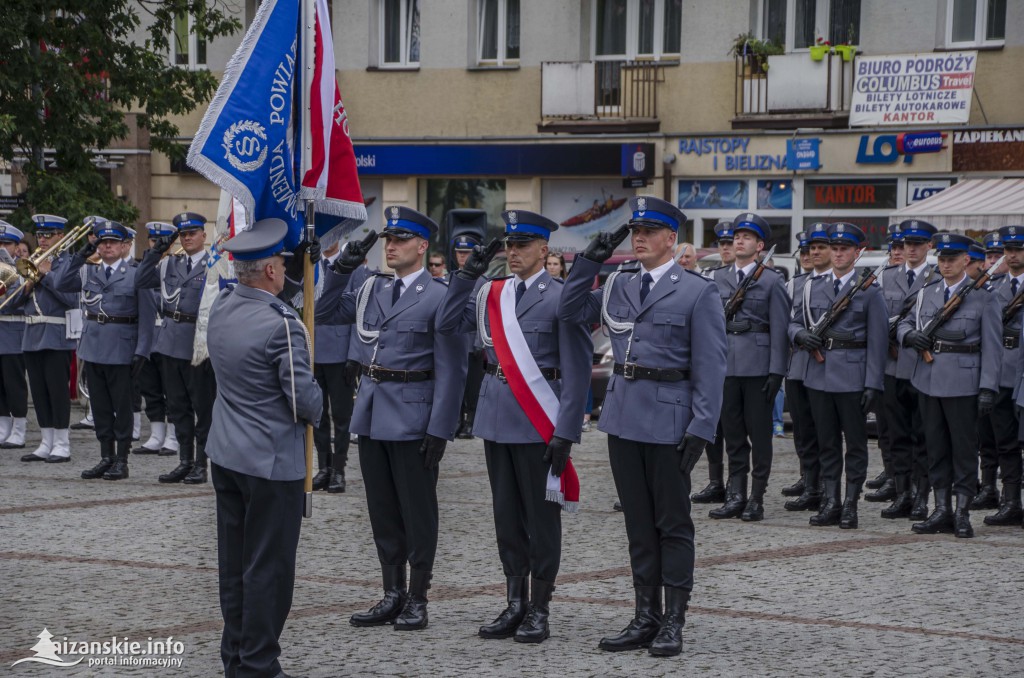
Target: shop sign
{"points": [[919, 189], [913, 89], [989, 150], [872, 195], [731, 154], [911, 143], [802, 154]]}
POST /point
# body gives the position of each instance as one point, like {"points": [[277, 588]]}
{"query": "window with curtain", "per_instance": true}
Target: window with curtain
{"points": [[844, 22], [975, 22], [400, 32], [774, 25], [628, 29], [498, 31]]}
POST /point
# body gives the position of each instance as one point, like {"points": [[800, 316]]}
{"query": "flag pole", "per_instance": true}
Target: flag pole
{"points": [[308, 301]]}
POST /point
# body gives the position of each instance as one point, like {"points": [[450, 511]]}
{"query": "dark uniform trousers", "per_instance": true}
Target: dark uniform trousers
{"points": [[151, 386], [190, 394], [474, 378], [338, 403], [1004, 430], [882, 428], [258, 524], [904, 406], [805, 436], [401, 496], [951, 434], [746, 421], [716, 449], [839, 415], [49, 379], [988, 451], [13, 387], [528, 527], [655, 498], [110, 394]]}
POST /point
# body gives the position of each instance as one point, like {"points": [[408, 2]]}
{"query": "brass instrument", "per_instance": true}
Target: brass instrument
{"points": [[29, 267], [8, 277]]}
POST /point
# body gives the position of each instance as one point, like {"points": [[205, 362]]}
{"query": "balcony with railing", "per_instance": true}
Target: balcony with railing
{"points": [[600, 96], [793, 90]]}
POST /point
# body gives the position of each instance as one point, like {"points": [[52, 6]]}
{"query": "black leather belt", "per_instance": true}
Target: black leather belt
{"points": [[377, 373], [744, 326], [947, 347], [631, 371], [833, 344], [112, 319], [549, 373], [1012, 341], [179, 317]]}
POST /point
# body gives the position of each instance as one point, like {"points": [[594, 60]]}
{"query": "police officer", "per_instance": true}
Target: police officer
{"points": [[845, 385], [993, 244], [662, 406], [894, 241], [519, 456], [467, 228], [13, 386], [966, 358], [758, 356], [115, 341], [266, 396], [406, 408], [982, 257], [47, 346]]}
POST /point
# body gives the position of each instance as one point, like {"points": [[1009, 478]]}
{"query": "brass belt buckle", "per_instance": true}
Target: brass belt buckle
{"points": [[629, 371], [373, 373]]}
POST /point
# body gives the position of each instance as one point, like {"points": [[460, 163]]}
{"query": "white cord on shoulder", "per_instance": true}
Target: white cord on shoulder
{"points": [[615, 326], [291, 366], [169, 298], [362, 299], [481, 314]]}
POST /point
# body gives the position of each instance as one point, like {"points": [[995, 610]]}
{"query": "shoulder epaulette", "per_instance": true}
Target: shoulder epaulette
{"points": [[715, 268], [997, 277], [440, 281], [695, 273], [379, 274], [283, 310], [629, 270], [934, 282], [887, 268], [800, 275], [558, 280]]}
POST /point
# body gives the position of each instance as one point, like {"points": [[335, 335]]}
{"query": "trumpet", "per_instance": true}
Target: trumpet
{"points": [[29, 267]]}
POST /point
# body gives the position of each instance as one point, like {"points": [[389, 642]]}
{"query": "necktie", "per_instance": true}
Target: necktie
{"points": [[109, 270], [396, 292], [520, 291], [739, 276], [910, 278], [1014, 284], [188, 265], [645, 286], [945, 295], [836, 284]]}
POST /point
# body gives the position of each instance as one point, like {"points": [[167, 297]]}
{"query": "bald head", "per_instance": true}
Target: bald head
{"points": [[686, 256]]}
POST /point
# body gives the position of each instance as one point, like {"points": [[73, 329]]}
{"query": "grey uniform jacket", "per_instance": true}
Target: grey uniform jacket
{"points": [[265, 389], [553, 343], [757, 353], [1009, 333], [408, 340], [895, 291], [108, 343], [955, 374], [12, 324], [333, 340], [180, 293], [798, 358], [846, 370], [44, 309], [680, 325]]}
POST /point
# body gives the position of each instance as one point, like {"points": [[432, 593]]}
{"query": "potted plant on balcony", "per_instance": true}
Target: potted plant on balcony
{"points": [[820, 48], [848, 49], [755, 52]]}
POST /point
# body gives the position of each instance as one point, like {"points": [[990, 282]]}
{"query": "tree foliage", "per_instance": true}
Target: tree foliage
{"points": [[72, 69]]}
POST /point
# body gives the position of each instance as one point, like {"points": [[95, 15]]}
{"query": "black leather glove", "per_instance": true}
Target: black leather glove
{"points": [[138, 362], [478, 261], [295, 268], [808, 340], [557, 454], [986, 401], [352, 369], [868, 399], [691, 447], [604, 244], [162, 244], [354, 253], [917, 339], [432, 450], [771, 386], [89, 248]]}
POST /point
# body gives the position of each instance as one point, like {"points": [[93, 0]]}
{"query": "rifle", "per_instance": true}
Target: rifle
{"points": [[894, 321], [950, 307], [732, 306], [830, 316], [1013, 307]]}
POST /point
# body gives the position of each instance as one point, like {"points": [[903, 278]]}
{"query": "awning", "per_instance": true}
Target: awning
{"points": [[973, 205]]}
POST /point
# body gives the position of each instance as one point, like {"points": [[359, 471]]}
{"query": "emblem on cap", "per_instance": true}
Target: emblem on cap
{"points": [[513, 218], [913, 224], [840, 228], [749, 217], [395, 212], [641, 204], [1012, 230], [945, 238]]}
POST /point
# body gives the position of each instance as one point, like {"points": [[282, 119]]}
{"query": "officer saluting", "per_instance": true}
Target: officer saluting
{"points": [[265, 398], [662, 406], [521, 449], [406, 408]]}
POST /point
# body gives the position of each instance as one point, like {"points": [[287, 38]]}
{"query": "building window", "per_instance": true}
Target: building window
{"points": [[799, 23], [400, 33], [976, 22], [498, 32], [189, 48], [637, 29]]}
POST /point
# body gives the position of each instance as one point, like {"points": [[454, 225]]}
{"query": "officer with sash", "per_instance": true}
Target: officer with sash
{"points": [[115, 341], [758, 356], [13, 385], [966, 355], [532, 357], [844, 385], [407, 406], [662, 406]]}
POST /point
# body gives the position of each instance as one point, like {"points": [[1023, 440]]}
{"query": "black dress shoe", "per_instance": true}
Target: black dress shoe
{"points": [[413, 616], [11, 446], [142, 449], [336, 482], [32, 457], [617, 506], [99, 469], [81, 427], [669, 641], [55, 459], [887, 492], [320, 479], [877, 481], [796, 489], [644, 626], [505, 625], [197, 476], [534, 628]]}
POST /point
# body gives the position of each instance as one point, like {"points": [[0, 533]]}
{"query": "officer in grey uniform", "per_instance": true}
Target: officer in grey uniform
{"points": [[115, 341], [47, 347], [406, 409], [13, 385], [758, 356], [527, 523], [966, 357], [848, 382], [266, 396], [661, 409], [467, 228], [190, 388]]}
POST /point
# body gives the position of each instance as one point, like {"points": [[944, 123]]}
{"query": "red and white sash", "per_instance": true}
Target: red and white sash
{"points": [[529, 387]]}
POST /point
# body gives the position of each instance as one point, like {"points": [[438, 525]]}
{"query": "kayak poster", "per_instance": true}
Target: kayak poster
{"points": [[582, 209], [714, 194]]}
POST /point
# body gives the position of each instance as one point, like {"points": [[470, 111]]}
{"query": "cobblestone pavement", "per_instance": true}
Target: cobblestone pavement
{"points": [[93, 559]]}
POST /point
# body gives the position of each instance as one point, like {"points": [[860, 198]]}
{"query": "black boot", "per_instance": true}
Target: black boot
{"points": [[941, 519], [320, 479], [714, 492], [735, 499], [919, 511], [796, 489], [106, 461], [186, 460], [119, 469], [903, 502], [887, 492], [878, 480], [534, 628], [962, 517], [414, 615], [669, 641], [510, 618], [335, 481], [466, 430], [1009, 512], [390, 605], [197, 476], [988, 496], [754, 510], [848, 518], [831, 510], [810, 498], [644, 626]]}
